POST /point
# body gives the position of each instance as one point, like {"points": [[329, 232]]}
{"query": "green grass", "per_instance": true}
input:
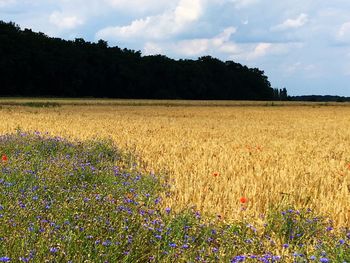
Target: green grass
{"points": [[63, 201]]}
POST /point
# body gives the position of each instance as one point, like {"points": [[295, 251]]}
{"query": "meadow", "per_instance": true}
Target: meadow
{"points": [[269, 164]]}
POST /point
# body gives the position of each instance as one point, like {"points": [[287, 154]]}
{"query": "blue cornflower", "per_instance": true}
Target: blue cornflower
{"points": [[238, 259], [185, 246], [313, 258], [285, 245], [324, 260], [54, 250], [157, 201], [106, 243], [5, 259], [329, 228], [173, 245], [276, 258]]}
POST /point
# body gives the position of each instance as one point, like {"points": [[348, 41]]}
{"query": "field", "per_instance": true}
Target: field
{"points": [[215, 153], [189, 181]]}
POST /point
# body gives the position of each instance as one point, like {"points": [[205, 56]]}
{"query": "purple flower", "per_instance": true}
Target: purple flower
{"points": [[238, 259], [157, 201], [5, 259], [173, 245], [313, 258], [106, 243], [285, 245], [54, 250], [329, 228], [324, 260]]}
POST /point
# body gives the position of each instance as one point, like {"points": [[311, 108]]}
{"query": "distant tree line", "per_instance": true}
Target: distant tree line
{"points": [[319, 98], [33, 64], [280, 94]]}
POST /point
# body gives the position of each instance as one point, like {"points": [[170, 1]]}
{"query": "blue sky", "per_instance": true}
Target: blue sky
{"points": [[301, 45]]}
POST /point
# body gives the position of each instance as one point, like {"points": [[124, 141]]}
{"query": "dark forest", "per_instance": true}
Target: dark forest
{"points": [[33, 64]]}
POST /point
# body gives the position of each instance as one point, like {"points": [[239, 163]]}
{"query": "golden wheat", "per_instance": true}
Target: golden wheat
{"points": [[216, 155]]}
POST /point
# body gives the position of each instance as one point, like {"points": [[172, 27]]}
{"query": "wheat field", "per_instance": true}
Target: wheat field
{"points": [[215, 155]]}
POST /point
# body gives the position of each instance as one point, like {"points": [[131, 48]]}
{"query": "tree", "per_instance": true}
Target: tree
{"points": [[33, 64]]}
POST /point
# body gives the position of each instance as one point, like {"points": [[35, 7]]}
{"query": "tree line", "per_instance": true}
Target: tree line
{"points": [[320, 98], [33, 64]]}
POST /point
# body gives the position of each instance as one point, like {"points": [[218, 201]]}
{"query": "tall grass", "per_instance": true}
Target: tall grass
{"points": [[63, 201], [265, 154]]}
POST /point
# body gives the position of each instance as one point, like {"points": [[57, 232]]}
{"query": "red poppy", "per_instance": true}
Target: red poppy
{"points": [[216, 174], [243, 200], [4, 158]]}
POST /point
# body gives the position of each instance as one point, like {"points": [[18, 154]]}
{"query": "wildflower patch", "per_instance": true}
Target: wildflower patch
{"points": [[63, 201]]}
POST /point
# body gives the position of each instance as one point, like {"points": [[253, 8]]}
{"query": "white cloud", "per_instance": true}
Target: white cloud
{"points": [[188, 11], [152, 48], [139, 6], [63, 21], [220, 46], [159, 26], [195, 47], [260, 50], [252, 52], [4, 3], [301, 20], [229, 48], [153, 27], [244, 3], [343, 34]]}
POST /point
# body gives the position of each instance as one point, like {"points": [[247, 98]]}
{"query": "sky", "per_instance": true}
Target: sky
{"points": [[303, 45]]}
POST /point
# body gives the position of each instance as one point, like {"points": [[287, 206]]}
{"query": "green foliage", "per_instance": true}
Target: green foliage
{"points": [[294, 226], [33, 64]]}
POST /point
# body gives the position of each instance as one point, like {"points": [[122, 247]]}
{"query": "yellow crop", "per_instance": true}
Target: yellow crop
{"points": [[217, 155]]}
